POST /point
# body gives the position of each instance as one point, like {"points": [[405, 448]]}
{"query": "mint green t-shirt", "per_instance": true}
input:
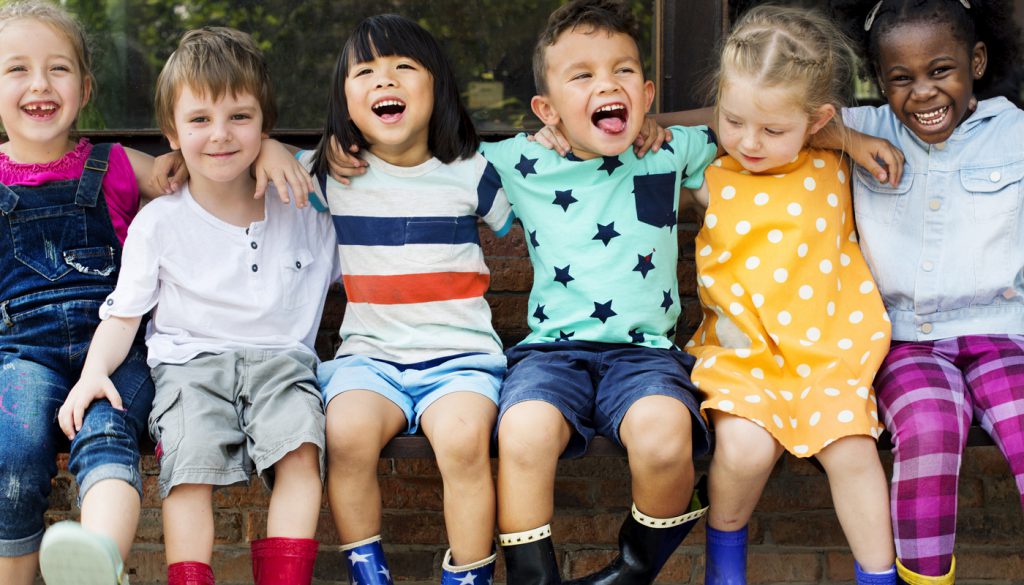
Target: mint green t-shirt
{"points": [[602, 236]]}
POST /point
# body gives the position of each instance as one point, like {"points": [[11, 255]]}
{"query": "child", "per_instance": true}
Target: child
{"points": [[793, 328], [947, 250], [65, 206], [231, 340], [418, 347], [603, 309]]}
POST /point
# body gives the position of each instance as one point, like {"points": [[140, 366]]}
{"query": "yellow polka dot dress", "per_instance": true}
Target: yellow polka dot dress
{"points": [[794, 328]]}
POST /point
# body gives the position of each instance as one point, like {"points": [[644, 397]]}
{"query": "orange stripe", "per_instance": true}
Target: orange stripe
{"points": [[406, 289]]}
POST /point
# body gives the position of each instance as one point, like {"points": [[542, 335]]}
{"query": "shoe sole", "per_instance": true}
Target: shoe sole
{"points": [[69, 555]]}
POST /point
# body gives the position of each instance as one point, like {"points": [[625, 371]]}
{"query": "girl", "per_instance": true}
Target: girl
{"points": [[947, 249], [65, 206], [793, 328], [418, 347]]}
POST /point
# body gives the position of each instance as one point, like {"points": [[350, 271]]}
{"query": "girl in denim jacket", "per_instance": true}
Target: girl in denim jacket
{"points": [[946, 246]]}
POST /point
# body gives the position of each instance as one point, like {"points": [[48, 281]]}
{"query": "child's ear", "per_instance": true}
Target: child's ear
{"points": [[172, 138], [86, 91], [821, 117], [545, 110], [648, 95], [979, 60]]}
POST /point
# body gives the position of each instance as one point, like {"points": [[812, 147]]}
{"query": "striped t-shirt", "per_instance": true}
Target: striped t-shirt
{"points": [[412, 266]]}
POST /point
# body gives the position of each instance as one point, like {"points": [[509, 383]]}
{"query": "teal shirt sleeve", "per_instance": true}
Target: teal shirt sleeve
{"points": [[694, 147]]}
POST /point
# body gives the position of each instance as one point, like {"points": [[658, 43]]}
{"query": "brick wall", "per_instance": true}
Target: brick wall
{"points": [[795, 537]]}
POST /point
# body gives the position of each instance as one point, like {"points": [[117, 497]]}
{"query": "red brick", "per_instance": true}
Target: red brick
{"points": [[817, 528], [1007, 564], [839, 566], [593, 528], [414, 527], [510, 274], [412, 493], [773, 566]]}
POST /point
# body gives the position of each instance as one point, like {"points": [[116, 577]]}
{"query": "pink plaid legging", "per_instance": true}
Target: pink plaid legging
{"points": [[928, 392]]}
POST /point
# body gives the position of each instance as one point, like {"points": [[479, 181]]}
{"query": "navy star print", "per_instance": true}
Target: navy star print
{"points": [[563, 336], [668, 302], [609, 164], [712, 139], [644, 264], [605, 233], [533, 239], [564, 199], [668, 146], [526, 166], [636, 336], [603, 311], [562, 275], [539, 313]]}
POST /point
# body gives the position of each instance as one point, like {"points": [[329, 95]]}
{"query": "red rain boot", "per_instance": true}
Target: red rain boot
{"points": [[283, 561], [189, 573]]}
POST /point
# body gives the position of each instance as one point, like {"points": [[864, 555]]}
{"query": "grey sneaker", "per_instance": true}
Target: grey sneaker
{"points": [[72, 555]]}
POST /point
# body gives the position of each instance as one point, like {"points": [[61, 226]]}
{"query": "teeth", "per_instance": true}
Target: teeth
{"points": [[386, 103], [933, 117], [37, 108], [611, 108]]}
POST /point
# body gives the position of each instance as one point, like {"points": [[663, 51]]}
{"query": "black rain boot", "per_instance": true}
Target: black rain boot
{"points": [[643, 549], [530, 558]]}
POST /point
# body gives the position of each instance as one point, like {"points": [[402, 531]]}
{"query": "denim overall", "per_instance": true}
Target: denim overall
{"points": [[59, 259]]}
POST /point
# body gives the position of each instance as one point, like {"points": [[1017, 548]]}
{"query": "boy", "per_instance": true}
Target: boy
{"points": [[238, 285], [600, 356]]}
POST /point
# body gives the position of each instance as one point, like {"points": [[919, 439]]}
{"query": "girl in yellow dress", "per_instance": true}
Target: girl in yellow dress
{"points": [[794, 329]]}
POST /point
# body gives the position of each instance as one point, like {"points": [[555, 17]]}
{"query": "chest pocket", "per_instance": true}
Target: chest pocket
{"points": [[995, 191], [297, 289], [655, 197], [44, 235], [880, 202], [430, 240]]}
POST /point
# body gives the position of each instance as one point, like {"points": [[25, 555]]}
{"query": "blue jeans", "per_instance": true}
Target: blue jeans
{"points": [[42, 350]]}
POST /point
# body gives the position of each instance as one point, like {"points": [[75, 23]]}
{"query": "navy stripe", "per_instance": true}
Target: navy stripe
{"points": [[487, 190], [355, 230]]}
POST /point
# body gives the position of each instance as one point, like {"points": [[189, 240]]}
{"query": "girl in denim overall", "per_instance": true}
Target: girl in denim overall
{"points": [[64, 211]]}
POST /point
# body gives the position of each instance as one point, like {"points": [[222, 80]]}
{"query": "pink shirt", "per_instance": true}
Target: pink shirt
{"points": [[119, 186]]}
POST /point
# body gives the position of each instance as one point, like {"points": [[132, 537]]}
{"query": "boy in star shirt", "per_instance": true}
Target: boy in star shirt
{"points": [[600, 357]]}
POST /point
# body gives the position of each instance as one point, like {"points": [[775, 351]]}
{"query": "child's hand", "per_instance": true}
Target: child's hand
{"points": [[89, 388], [651, 137], [879, 157], [549, 137], [344, 165], [169, 172], [278, 165]]}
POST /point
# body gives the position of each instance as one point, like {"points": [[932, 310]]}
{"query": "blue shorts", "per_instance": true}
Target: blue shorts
{"points": [[413, 387], [594, 384]]}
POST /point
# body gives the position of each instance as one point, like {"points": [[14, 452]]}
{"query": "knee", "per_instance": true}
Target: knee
{"points": [[658, 438], [523, 439], [742, 455], [464, 444], [924, 435], [353, 442]]}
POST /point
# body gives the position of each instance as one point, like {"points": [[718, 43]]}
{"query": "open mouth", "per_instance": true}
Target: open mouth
{"points": [[610, 118], [40, 110], [389, 110], [932, 117]]}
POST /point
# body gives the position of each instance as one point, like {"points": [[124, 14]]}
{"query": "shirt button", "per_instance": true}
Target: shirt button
{"points": [[110, 302], [995, 176], [255, 268], [935, 204], [253, 245], [926, 328], [298, 264], [927, 266]]}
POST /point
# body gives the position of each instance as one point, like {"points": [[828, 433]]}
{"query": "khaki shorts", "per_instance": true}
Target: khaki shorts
{"points": [[219, 417]]}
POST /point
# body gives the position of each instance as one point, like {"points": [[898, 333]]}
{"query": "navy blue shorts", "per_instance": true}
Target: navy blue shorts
{"points": [[594, 384]]}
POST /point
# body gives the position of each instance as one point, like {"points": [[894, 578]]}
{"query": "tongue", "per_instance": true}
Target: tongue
{"points": [[612, 125], [390, 117]]}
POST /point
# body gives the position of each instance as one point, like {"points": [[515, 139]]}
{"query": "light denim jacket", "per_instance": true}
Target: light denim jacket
{"points": [[946, 245]]}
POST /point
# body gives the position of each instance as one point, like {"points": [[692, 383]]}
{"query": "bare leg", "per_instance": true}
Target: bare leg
{"points": [[295, 501], [111, 508], [744, 457], [19, 570], [359, 424], [531, 436], [860, 494], [188, 523], [459, 428], [656, 432]]}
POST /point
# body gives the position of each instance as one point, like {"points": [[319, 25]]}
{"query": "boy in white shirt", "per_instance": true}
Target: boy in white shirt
{"points": [[237, 287]]}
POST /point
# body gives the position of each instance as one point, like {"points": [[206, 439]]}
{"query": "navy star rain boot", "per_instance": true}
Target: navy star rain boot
{"points": [[478, 573], [646, 543], [366, 562], [530, 557]]}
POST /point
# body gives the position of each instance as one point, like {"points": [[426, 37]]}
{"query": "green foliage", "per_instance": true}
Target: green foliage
{"points": [[485, 40]]}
